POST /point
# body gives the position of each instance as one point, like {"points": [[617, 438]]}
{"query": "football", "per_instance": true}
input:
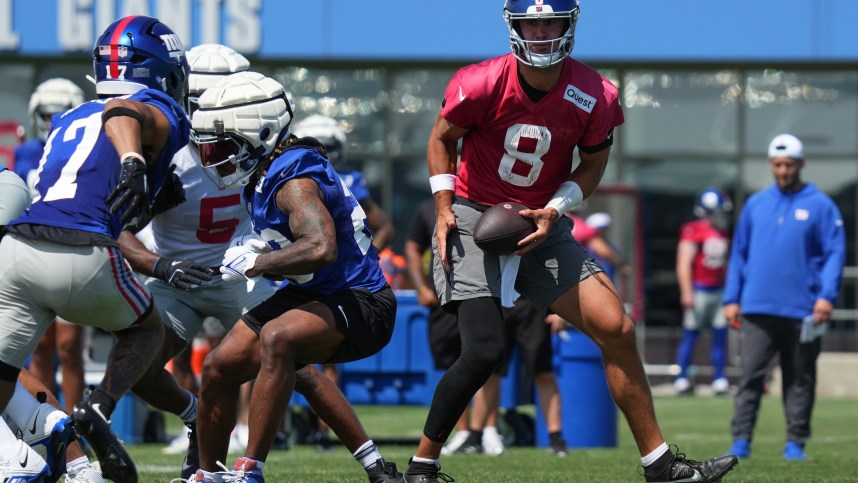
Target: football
{"points": [[500, 228]]}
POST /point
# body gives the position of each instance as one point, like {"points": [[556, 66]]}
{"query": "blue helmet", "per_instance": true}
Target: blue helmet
{"points": [[714, 204], [139, 52], [516, 10]]}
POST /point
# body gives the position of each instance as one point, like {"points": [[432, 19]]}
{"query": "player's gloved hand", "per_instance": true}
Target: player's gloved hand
{"points": [[132, 192], [182, 274], [241, 256], [237, 261], [252, 241], [171, 194]]}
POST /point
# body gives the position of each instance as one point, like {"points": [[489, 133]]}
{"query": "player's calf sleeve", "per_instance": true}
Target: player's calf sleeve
{"points": [[483, 333]]}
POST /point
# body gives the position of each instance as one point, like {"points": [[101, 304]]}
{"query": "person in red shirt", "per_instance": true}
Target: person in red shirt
{"points": [[520, 117], [701, 266]]}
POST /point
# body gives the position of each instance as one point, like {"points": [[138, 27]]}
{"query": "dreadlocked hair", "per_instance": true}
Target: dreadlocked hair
{"points": [[291, 142]]}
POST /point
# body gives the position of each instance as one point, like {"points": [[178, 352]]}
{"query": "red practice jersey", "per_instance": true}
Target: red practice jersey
{"points": [[517, 149], [710, 263]]}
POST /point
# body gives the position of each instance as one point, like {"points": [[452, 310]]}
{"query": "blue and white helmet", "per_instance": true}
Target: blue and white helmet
{"points": [[714, 204], [140, 52], [516, 10]]}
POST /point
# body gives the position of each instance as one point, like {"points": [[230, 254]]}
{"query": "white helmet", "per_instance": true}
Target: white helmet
{"points": [[209, 64], [238, 122], [328, 131], [52, 97]]}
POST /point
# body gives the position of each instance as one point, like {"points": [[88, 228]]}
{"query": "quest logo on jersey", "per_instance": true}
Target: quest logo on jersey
{"points": [[580, 99]]}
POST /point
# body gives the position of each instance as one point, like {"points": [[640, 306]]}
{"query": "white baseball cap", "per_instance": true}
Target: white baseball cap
{"points": [[599, 221], [786, 146]]}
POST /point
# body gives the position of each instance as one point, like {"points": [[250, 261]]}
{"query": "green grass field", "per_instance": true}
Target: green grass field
{"points": [[700, 426]]}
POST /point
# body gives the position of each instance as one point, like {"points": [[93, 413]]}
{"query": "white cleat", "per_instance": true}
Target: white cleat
{"points": [[24, 465], [49, 431], [85, 474], [179, 445], [682, 386], [720, 386], [492, 441], [235, 445], [455, 443]]}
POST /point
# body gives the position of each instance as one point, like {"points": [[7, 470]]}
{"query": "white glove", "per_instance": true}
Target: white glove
{"points": [[241, 257], [251, 241], [237, 261]]}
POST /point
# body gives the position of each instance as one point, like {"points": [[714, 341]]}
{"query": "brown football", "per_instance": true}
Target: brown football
{"points": [[500, 228]]}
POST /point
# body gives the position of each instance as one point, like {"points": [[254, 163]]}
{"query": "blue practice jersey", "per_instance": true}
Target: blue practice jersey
{"points": [[80, 167], [27, 157], [357, 261]]}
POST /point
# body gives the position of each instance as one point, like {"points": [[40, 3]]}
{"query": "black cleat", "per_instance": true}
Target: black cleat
{"points": [[90, 423], [425, 473], [558, 446], [323, 442], [383, 472], [472, 445], [683, 469], [192, 457]]}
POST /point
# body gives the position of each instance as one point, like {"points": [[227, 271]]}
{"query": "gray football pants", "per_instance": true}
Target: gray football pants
{"points": [[760, 338]]}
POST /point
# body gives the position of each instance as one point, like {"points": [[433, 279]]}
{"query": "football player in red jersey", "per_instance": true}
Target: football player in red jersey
{"points": [[701, 267], [520, 117]]}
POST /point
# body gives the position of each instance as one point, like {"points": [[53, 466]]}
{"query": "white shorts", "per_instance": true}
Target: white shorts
{"points": [[706, 311], [14, 196], [40, 279], [185, 310]]}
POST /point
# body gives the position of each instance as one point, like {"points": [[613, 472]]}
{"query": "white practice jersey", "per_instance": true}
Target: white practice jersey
{"points": [[201, 228]]}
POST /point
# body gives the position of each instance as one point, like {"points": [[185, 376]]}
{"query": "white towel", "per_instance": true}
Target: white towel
{"points": [[251, 282], [509, 272]]}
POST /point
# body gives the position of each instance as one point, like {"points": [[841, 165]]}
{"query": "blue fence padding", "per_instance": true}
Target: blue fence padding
{"points": [[511, 383], [588, 410], [404, 371], [401, 373]]}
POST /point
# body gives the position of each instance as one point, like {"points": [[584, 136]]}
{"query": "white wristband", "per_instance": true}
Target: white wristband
{"points": [[131, 154], [442, 182], [567, 196]]}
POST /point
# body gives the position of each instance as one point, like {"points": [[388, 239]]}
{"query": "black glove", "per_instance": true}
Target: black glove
{"points": [[171, 194], [183, 274], [132, 190]]}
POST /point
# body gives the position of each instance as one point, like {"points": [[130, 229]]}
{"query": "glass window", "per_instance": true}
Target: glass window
{"points": [[829, 175], [818, 107], [17, 85], [409, 190], [356, 97], [415, 100], [680, 112]]}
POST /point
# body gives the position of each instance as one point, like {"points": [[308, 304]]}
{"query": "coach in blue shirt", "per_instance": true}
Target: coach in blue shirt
{"points": [[786, 264]]}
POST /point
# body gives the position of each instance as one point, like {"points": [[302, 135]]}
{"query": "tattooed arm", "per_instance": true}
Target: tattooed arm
{"points": [[310, 221]]}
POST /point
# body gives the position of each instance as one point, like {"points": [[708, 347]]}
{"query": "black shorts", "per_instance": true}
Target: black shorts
{"points": [[366, 319], [444, 340], [526, 329]]}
